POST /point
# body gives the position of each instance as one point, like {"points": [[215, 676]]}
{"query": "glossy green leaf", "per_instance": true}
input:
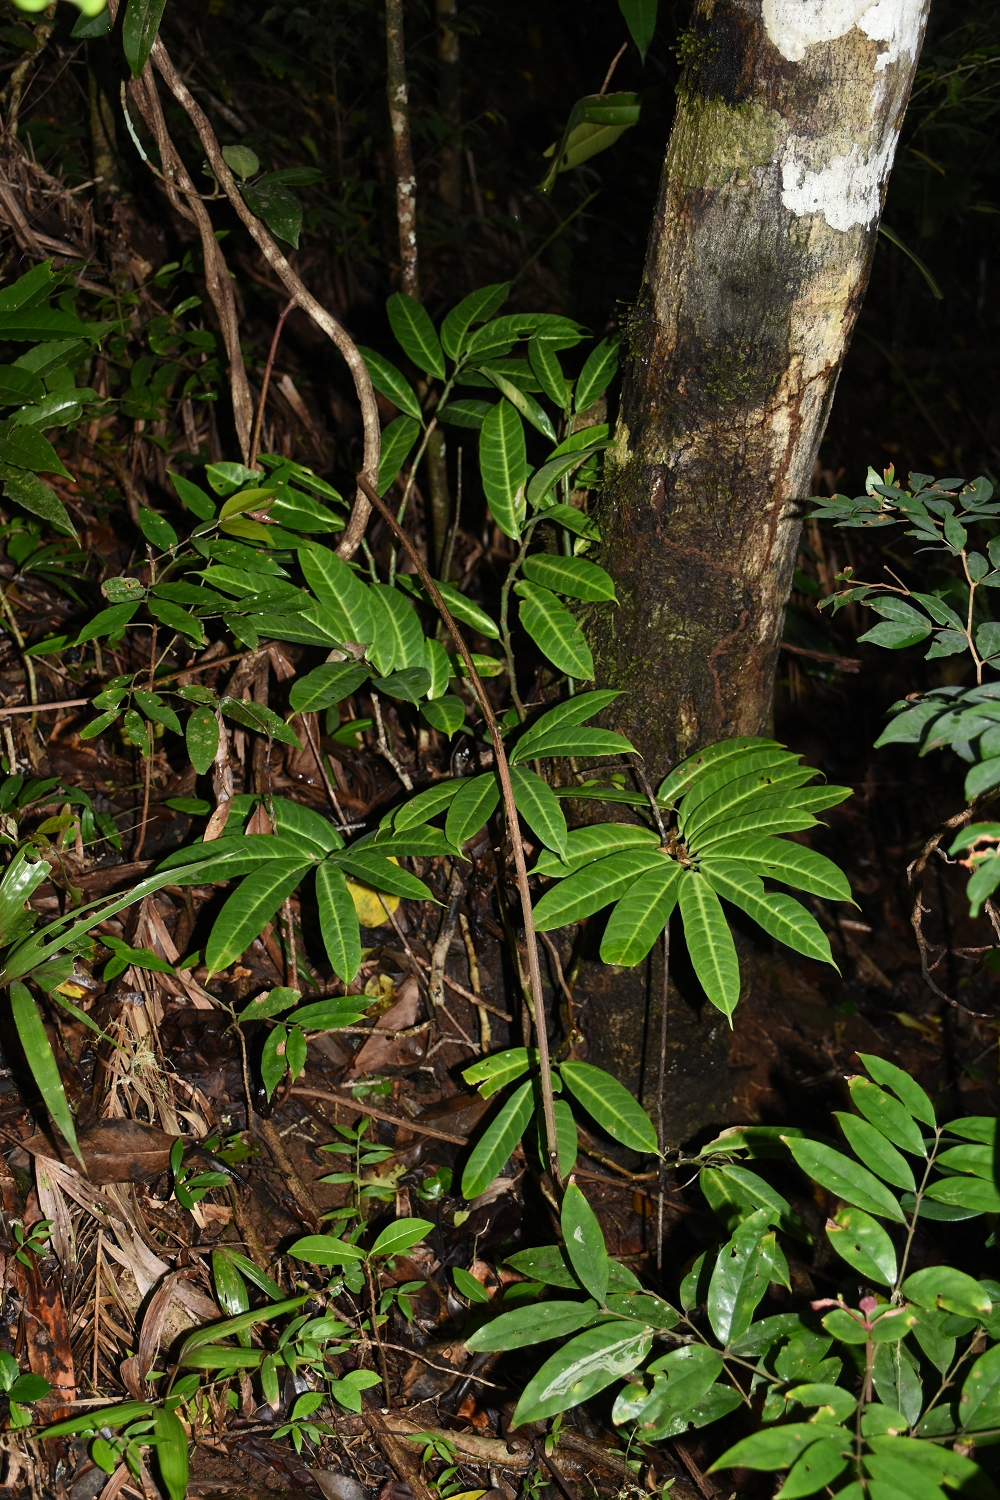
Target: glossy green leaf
{"points": [[739, 795], [530, 409], [539, 807], [446, 715], [472, 805], [527, 1326], [326, 685], [792, 864], [571, 711], [338, 921], [902, 1085], [504, 466], [839, 1175], [610, 1104], [709, 941], [273, 1059], [39, 498], [548, 371], [415, 333], [397, 440], [340, 591], [139, 29], [547, 1264], [97, 1417], [400, 1236], [584, 1242], [376, 870], [863, 1243], [772, 1448], [740, 1279], [499, 1069], [467, 1286], [247, 910], [581, 1368], [40, 1059], [574, 577], [929, 1332], [325, 1250], [979, 1405], [493, 1149], [692, 770], [594, 841], [936, 1462], [640, 916], [876, 1152], [887, 1115], [477, 307], [197, 502], [426, 805], [545, 479], [640, 18], [602, 361], [107, 622], [980, 1160], [943, 1286], [819, 1466], [594, 886], [780, 915], [391, 382], [554, 630]]}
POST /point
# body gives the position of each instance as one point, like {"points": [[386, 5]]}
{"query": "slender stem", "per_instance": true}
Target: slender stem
{"points": [[896, 1293], [659, 1098], [614, 63], [29, 665], [408, 490], [259, 419], [510, 808], [505, 640], [386, 748], [375, 1333], [402, 147]]}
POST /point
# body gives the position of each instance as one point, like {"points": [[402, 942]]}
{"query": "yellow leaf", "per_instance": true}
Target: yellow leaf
{"points": [[368, 905]]}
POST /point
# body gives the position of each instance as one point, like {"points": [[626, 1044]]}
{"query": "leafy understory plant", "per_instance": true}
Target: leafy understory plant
{"points": [[956, 615], [892, 1379]]}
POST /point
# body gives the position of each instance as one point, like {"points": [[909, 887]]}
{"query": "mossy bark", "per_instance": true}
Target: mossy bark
{"points": [[787, 122]]}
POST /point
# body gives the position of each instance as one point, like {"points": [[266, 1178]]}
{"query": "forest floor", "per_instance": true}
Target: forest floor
{"points": [[82, 1312]]}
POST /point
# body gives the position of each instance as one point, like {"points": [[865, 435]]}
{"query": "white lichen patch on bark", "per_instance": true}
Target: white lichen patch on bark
{"points": [[794, 25]]}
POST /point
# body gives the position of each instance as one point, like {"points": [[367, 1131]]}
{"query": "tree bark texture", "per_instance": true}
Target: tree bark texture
{"points": [[402, 148], [787, 121]]}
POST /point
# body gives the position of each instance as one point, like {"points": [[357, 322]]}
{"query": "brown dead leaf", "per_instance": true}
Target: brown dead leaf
{"points": [[381, 1052], [115, 1150]]}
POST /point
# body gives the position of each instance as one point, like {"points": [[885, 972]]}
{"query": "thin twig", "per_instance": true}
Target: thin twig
{"points": [[510, 807], [361, 1107], [259, 419]]}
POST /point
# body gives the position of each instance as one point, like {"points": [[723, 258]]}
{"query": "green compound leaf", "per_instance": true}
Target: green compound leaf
{"points": [[504, 466], [585, 1243], [863, 1243], [709, 941], [338, 921], [247, 910], [494, 1147], [594, 841], [839, 1175], [41, 1060], [640, 916], [792, 864], [415, 333], [610, 1104]]}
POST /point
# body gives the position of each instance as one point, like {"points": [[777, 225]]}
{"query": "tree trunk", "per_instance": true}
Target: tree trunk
{"points": [[787, 121]]}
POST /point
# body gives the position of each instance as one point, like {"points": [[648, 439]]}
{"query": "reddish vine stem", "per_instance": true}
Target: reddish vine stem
{"points": [[259, 419], [510, 808]]}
